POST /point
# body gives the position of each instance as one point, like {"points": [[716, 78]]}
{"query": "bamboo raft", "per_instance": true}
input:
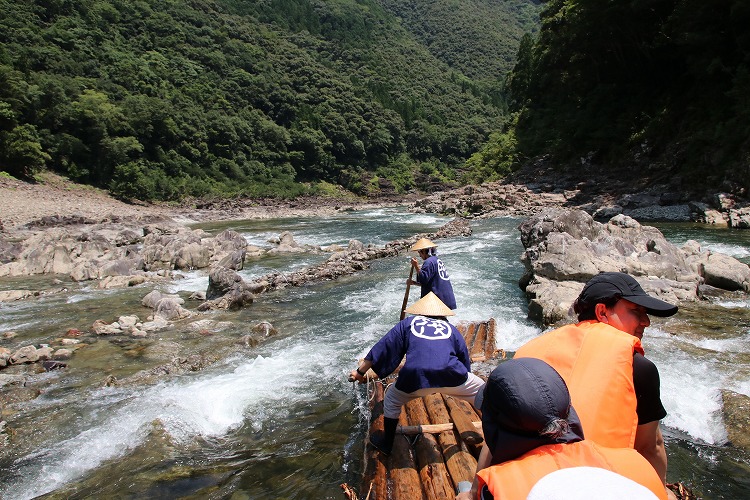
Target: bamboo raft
{"points": [[438, 439]]}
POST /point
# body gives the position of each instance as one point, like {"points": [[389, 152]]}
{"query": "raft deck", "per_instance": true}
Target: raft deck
{"points": [[438, 439]]}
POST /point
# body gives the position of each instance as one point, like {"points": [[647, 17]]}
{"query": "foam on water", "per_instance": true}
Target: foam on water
{"points": [[206, 405], [736, 251], [735, 345], [690, 385], [734, 304], [192, 282], [686, 379]]}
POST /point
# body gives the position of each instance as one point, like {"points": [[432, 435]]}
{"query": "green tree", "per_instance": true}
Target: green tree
{"points": [[21, 154]]}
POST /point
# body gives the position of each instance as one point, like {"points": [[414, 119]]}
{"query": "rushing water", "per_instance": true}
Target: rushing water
{"points": [[279, 420]]}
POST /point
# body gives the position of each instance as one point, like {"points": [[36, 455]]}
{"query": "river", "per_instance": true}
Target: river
{"points": [[280, 420]]}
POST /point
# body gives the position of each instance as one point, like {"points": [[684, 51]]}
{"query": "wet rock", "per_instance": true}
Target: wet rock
{"points": [[156, 324], [234, 260], [740, 218], [177, 366], [50, 365], [170, 308], [265, 329], [62, 354], [138, 333], [11, 379], [14, 295], [249, 341], [726, 272], [286, 244], [736, 413], [151, 299], [565, 248], [26, 354], [5, 355], [121, 281], [100, 327], [127, 322], [227, 290]]}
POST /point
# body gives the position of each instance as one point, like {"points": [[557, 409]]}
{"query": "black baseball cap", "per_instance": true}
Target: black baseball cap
{"points": [[604, 286]]}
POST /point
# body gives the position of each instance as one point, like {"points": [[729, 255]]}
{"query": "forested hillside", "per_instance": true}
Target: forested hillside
{"points": [[163, 99], [478, 38], [659, 87]]}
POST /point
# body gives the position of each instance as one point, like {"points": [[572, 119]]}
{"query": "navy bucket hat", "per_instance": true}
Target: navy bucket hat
{"points": [[604, 286], [520, 399]]}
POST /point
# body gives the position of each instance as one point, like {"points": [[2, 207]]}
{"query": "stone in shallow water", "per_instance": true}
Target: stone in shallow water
{"points": [[736, 413]]}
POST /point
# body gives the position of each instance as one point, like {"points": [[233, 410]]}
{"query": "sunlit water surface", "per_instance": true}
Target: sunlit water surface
{"points": [[279, 420]]}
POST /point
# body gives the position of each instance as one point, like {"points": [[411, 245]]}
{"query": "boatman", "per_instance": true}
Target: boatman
{"points": [[532, 433], [614, 388], [432, 276], [437, 360]]}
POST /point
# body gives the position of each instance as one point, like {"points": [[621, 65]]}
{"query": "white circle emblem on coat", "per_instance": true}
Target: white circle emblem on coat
{"points": [[442, 271], [430, 329]]}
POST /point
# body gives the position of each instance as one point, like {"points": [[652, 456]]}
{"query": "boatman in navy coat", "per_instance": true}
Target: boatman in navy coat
{"points": [[432, 276], [437, 360]]}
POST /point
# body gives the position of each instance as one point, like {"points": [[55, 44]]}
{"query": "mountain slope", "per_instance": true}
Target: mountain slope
{"points": [[163, 99]]}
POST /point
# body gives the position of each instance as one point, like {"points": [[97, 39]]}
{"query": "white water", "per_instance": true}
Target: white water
{"points": [[334, 326]]}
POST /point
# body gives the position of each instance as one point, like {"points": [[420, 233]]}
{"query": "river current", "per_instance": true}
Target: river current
{"points": [[280, 420]]}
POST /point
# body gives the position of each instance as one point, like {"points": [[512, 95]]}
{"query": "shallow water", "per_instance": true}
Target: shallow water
{"points": [[279, 420]]}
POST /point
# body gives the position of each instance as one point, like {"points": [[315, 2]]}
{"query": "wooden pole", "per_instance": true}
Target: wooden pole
{"points": [[406, 294], [431, 428]]}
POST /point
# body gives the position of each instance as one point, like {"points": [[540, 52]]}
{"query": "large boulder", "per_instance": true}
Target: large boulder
{"points": [[565, 248], [227, 290], [726, 272]]}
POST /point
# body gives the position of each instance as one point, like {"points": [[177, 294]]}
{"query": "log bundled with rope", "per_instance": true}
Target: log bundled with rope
{"points": [[433, 473], [481, 339], [437, 441]]}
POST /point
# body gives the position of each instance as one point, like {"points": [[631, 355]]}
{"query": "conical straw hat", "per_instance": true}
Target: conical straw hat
{"points": [[429, 305], [421, 244]]}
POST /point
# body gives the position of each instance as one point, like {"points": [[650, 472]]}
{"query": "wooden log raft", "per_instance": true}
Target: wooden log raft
{"points": [[481, 339], [437, 442], [429, 456]]}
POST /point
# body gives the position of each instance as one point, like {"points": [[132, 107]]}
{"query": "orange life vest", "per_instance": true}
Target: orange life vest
{"points": [[514, 479], [596, 362]]}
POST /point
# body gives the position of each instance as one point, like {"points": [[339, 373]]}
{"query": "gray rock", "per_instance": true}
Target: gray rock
{"points": [[736, 413], [565, 248], [26, 354]]}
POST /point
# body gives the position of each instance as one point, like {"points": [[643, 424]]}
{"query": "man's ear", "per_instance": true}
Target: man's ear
{"points": [[601, 312]]}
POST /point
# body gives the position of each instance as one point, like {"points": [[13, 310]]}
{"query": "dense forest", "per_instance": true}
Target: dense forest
{"points": [[659, 88], [167, 99], [173, 98]]}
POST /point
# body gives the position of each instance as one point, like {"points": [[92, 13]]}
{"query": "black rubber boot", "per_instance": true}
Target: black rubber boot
{"points": [[384, 441]]}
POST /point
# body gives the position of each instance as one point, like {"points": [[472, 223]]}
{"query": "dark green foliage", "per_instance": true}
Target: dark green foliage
{"points": [[479, 40], [668, 78], [166, 99]]}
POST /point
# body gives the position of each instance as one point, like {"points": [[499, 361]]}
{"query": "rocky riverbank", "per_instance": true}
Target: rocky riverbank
{"points": [[57, 227], [57, 201]]}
